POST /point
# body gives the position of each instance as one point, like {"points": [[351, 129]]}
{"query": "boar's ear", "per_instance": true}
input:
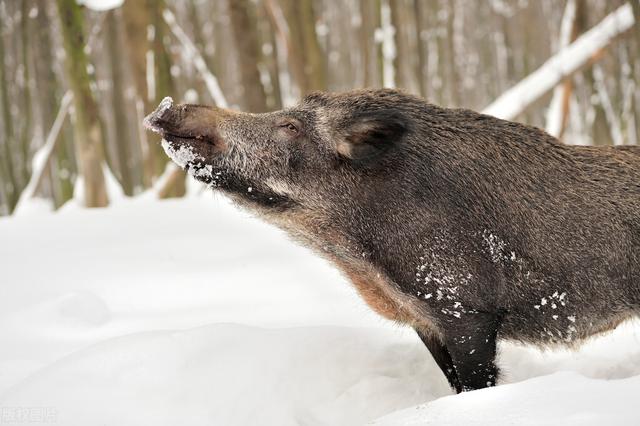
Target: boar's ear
{"points": [[371, 134]]}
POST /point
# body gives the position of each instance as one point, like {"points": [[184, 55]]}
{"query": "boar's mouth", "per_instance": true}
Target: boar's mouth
{"points": [[182, 138]]}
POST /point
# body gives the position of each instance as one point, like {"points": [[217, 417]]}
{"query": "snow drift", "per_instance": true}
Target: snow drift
{"points": [[191, 312]]}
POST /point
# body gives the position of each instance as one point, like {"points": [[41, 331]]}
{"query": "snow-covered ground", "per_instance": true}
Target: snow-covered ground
{"points": [[190, 312]]}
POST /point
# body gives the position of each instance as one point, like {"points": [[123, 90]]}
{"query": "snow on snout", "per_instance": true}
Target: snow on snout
{"points": [[150, 120], [182, 155]]}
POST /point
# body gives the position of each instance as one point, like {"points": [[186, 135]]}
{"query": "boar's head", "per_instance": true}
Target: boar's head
{"points": [[326, 153]]}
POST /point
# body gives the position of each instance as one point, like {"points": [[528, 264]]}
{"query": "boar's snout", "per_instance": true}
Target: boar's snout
{"points": [[184, 121], [164, 119]]}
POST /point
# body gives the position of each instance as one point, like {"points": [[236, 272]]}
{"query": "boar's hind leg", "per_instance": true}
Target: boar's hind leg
{"points": [[442, 357], [471, 341]]}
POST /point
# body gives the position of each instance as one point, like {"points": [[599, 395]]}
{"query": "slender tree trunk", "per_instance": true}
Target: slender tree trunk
{"points": [[558, 113], [600, 128], [274, 100], [315, 64], [138, 51], [402, 62], [27, 112], [61, 165], [306, 58], [634, 61], [136, 26], [164, 85], [453, 79], [87, 130], [146, 32], [124, 144], [421, 46], [441, 81], [139, 35], [248, 55], [10, 180], [370, 47]]}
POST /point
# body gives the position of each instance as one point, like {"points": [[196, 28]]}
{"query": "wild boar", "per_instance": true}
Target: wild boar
{"points": [[463, 226]]}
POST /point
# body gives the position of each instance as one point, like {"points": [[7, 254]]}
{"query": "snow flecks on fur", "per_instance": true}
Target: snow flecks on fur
{"points": [[436, 273], [443, 276], [499, 252], [496, 247], [566, 330]]}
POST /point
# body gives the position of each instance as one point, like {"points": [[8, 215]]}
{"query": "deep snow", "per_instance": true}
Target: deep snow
{"points": [[191, 312]]}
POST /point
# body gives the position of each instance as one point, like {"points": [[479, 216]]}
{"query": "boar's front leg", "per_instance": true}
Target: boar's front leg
{"points": [[442, 357], [471, 341]]}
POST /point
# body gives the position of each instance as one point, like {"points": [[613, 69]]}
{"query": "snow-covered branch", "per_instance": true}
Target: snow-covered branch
{"points": [[42, 156], [210, 80], [566, 62]]}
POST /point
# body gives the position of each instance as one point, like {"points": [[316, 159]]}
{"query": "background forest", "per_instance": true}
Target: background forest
{"points": [[76, 81], [188, 311]]}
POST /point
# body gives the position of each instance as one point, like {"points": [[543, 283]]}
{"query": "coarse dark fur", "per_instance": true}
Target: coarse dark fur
{"points": [[464, 226]]}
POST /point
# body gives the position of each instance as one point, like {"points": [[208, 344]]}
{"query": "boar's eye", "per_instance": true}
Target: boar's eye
{"points": [[290, 127]]}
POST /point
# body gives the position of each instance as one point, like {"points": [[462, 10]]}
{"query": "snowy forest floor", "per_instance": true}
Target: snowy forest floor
{"points": [[191, 312]]}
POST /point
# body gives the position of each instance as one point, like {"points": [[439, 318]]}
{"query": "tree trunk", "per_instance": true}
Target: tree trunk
{"points": [[600, 127], [87, 129], [136, 26], [453, 79], [61, 165], [370, 47], [634, 60], [123, 142], [403, 60], [274, 100], [145, 32], [164, 85], [558, 112], [27, 111], [306, 58], [421, 47], [9, 179], [138, 51], [248, 55]]}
